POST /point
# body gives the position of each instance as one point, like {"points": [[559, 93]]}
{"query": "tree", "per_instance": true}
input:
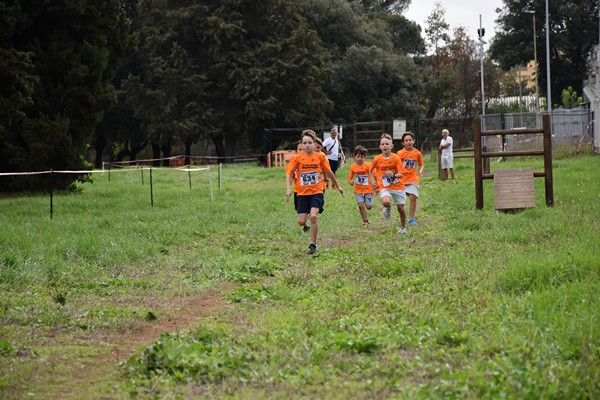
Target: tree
{"points": [[573, 33], [60, 57], [439, 71]]}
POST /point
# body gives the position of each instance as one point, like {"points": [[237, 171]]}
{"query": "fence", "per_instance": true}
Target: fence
{"points": [[571, 129], [106, 169]]}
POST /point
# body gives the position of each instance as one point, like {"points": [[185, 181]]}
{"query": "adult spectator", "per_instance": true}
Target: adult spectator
{"points": [[332, 148], [447, 157]]}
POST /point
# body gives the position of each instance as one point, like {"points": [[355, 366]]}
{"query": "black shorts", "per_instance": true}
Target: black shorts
{"points": [[306, 203], [295, 201]]}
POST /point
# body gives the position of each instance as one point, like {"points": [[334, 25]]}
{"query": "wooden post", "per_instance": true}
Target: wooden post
{"points": [[51, 193], [478, 164], [548, 161]]}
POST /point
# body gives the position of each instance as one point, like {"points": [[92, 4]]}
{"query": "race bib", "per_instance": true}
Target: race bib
{"points": [[387, 180], [362, 180], [410, 164], [309, 178]]}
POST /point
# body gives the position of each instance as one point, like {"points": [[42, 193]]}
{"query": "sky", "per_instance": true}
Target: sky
{"points": [[458, 13]]}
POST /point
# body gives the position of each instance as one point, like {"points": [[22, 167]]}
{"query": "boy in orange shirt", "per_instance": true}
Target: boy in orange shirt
{"points": [[386, 170], [310, 189], [360, 178], [411, 158]]}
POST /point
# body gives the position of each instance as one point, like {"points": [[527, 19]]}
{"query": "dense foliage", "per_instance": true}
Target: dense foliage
{"points": [[573, 33], [58, 61]]}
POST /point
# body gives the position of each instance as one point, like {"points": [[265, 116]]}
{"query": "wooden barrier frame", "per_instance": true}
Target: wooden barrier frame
{"points": [[480, 155], [486, 161]]}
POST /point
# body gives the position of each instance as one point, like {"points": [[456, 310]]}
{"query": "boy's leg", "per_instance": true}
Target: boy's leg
{"points": [[314, 224], [402, 214], [386, 201], [363, 211], [302, 219], [412, 207], [369, 201]]}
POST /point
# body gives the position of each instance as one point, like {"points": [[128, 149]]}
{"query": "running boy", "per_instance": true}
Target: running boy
{"points": [[386, 170], [360, 177], [411, 158], [310, 191]]}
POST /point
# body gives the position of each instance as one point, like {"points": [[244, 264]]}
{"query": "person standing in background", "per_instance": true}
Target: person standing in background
{"points": [[447, 157], [332, 148]]}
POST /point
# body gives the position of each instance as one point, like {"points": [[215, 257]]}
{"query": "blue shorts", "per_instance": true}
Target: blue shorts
{"points": [[306, 203], [333, 164]]}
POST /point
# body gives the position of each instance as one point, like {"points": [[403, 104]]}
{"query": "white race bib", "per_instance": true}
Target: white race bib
{"points": [[387, 181], [309, 178], [362, 180]]}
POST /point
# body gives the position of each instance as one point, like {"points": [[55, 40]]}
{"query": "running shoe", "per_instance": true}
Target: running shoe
{"points": [[402, 230], [312, 248], [412, 221], [386, 213]]}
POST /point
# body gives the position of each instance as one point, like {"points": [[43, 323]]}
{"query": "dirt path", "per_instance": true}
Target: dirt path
{"points": [[88, 380]]}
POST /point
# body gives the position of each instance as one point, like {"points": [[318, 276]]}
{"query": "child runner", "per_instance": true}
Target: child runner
{"points": [[310, 191], [360, 178], [386, 171], [411, 158]]}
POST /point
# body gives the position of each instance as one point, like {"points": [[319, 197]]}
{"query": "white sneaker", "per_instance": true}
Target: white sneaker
{"points": [[386, 213], [402, 229]]}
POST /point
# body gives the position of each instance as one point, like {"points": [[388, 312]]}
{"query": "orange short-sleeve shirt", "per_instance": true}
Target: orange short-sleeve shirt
{"points": [[360, 175], [411, 160], [308, 168], [381, 165]]}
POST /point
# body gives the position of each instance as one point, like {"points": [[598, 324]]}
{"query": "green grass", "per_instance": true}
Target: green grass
{"points": [[468, 304]]}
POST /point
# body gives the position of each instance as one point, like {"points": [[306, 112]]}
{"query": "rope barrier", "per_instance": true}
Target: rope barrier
{"points": [[103, 171]]}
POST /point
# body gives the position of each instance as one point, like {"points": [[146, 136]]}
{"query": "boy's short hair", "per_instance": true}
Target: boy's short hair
{"points": [[310, 133], [386, 136], [319, 141], [360, 150], [409, 133]]}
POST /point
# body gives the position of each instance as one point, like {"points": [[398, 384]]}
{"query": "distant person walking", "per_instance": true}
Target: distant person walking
{"points": [[447, 157], [333, 149]]}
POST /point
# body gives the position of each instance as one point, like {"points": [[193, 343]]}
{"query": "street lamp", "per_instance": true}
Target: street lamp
{"points": [[537, 93]]}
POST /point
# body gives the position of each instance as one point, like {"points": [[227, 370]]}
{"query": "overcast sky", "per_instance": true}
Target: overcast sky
{"points": [[458, 13]]}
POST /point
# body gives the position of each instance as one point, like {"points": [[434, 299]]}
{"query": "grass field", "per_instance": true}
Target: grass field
{"points": [[468, 304]]}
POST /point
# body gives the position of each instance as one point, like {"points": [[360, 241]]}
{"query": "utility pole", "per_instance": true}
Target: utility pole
{"points": [[481, 33], [548, 80]]}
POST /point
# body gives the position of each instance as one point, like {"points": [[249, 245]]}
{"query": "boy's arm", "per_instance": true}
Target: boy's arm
{"points": [[350, 177], [335, 183], [288, 185]]}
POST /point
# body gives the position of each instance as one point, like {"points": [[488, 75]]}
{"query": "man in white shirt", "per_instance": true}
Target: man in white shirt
{"points": [[447, 157], [332, 147]]}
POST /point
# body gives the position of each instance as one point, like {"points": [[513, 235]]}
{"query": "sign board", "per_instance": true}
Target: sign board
{"points": [[398, 128]]}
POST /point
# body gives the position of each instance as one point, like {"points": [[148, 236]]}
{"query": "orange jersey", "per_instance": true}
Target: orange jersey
{"points": [[309, 168], [410, 161], [381, 165], [360, 175]]}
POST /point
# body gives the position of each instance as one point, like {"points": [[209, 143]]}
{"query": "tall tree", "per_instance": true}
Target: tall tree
{"points": [[573, 33], [67, 54], [438, 66]]}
